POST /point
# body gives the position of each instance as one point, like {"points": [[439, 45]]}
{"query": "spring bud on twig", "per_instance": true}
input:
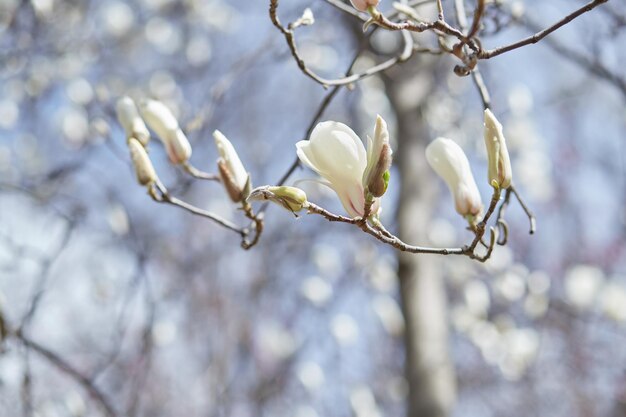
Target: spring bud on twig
{"points": [[376, 175], [141, 161], [500, 173], [450, 163], [291, 198], [133, 124], [232, 172], [162, 121]]}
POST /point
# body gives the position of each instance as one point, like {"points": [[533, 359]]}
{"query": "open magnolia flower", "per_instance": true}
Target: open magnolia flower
{"points": [[450, 163], [337, 154]]}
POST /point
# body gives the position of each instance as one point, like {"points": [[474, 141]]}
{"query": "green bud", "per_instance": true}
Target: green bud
{"points": [[291, 198]]}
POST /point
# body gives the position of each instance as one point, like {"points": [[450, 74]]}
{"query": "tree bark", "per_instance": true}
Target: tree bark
{"points": [[429, 370]]}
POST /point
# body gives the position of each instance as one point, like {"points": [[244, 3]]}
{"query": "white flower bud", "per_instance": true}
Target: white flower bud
{"points": [[376, 174], [232, 173], [307, 19], [500, 173], [128, 116], [291, 198], [162, 121], [141, 161], [450, 163]]}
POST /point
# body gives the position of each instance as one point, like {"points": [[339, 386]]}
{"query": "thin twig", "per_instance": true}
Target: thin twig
{"points": [[257, 222], [69, 370], [440, 11], [487, 54], [479, 82], [291, 42], [199, 174], [478, 14], [419, 27], [165, 197], [481, 227], [529, 213], [384, 236], [590, 64]]}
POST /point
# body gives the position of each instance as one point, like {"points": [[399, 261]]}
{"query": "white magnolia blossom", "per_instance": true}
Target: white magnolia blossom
{"points": [[164, 124], [232, 172], [500, 173], [133, 124], [450, 163], [337, 154]]}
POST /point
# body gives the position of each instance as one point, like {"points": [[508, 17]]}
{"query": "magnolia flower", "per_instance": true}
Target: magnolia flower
{"points": [[337, 154], [141, 161], [162, 121], [362, 5], [291, 198], [500, 173], [232, 173], [128, 116], [450, 163], [376, 175]]}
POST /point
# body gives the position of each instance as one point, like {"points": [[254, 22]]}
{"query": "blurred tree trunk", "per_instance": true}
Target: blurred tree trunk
{"points": [[429, 369]]}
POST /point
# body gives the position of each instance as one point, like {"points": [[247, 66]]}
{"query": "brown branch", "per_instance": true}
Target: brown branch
{"points": [[487, 54], [529, 214], [588, 63], [291, 42], [199, 174], [257, 223], [160, 194], [479, 82], [478, 14], [386, 237], [419, 27]]}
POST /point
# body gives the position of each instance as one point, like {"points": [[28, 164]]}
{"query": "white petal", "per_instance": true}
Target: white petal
{"points": [[228, 153], [449, 161], [336, 151], [159, 118]]}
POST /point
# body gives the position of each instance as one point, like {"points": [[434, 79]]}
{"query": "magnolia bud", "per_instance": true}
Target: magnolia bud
{"points": [[162, 121], [363, 5], [178, 148], [450, 163], [233, 190], [500, 172], [376, 174], [141, 161], [234, 176], [128, 116], [291, 198], [307, 19]]}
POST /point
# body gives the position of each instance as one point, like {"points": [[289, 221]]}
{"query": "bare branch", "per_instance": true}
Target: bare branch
{"points": [[487, 54], [291, 42], [65, 367]]}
